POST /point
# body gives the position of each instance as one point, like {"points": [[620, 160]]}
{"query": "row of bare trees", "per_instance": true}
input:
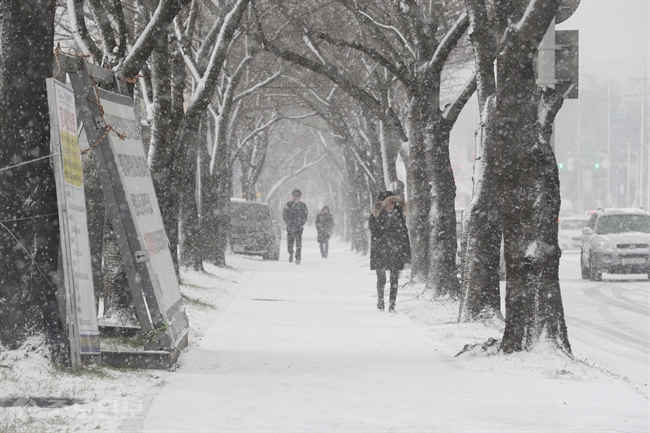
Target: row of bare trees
{"points": [[223, 80]]}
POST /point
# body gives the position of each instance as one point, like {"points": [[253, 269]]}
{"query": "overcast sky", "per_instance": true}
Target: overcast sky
{"points": [[614, 37]]}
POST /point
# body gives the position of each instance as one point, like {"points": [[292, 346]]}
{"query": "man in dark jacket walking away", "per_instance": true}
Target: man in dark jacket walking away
{"points": [[390, 247], [295, 217], [324, 224]]}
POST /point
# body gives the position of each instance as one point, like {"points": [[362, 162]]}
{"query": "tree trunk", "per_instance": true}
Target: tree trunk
{"points": [[531, 193], [481, 238], [118, 299], [208, 211], [222, 174], [29, 234], [517, 121], [531, 206], [419, 185], [359, 204], [95, 211], [190, 239], [376, 156], [162, 145], [391, 146], [442, 277]]}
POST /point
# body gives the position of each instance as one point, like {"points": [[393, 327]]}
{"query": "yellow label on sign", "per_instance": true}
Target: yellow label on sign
{"points": [[71, 159]]}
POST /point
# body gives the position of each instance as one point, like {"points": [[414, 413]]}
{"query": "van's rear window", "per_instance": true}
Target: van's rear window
{"points": [[249, 212]]}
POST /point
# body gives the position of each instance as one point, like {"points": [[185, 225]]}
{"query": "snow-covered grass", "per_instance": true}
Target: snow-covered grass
{"points": [[27, 372], [108, 395]]}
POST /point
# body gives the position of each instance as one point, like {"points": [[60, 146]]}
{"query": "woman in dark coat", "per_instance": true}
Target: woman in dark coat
{"points": [[324, 224], [390, 247]]}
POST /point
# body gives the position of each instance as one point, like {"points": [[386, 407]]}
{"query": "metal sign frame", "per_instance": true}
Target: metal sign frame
{"points": [[158, 304]]}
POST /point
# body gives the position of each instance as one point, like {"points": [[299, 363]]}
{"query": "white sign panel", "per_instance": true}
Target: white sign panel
{"points": [[140, 195], [72, 215]]}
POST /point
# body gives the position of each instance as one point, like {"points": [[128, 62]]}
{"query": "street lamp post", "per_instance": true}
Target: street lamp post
{"points": [[608, 200]]}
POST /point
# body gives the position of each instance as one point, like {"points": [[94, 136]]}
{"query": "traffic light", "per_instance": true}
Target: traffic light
{"points": [[596, 165], [560, 165]]}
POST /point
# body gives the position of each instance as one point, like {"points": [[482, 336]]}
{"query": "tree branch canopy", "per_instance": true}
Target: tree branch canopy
{"points": [[398, 71], [373, 105], [452, 112], [448, 43], [162, 18], [80, 31]]}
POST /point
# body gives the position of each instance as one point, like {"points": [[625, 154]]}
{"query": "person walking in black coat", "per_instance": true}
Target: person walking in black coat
{"points": [[324, 224], [390, 246], [295, 217]]}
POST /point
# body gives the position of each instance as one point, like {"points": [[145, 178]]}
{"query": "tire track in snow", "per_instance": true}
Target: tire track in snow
{"points": [[611, 335], [596, 293], [618, 294]]}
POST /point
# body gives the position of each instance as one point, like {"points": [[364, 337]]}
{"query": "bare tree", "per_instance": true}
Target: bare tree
{"points": [[412, 41], [517, 118], [29, 231]]}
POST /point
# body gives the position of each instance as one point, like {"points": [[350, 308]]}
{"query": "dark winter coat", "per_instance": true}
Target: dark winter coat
{"points": [[295, 216], [324, 224], [390, 246]]}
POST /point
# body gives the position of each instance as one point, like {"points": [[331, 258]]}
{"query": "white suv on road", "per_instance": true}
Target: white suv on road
{"points": [[616, 241]]}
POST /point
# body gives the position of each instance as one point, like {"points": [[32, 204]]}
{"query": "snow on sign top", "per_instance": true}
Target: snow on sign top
{"points": [[155, 272]]}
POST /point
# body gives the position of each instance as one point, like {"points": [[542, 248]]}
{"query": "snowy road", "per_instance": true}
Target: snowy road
{"points": [[609, 320], [303, 348]]}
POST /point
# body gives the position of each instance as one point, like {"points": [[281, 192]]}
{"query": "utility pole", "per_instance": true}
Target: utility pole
{"points": [[581, 181], [627, 186], [640, 160], [643, 136], [608, 201]]}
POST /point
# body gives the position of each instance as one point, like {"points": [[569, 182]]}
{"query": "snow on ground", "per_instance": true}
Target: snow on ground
{"points": [[280, 347], [108, 396]]}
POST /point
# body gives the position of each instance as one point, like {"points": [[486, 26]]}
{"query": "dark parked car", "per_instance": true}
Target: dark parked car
{"points": [[616, 241], [254, 229]]}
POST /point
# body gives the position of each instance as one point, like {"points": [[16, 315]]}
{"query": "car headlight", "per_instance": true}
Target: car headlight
{"points": [[603, 245]]}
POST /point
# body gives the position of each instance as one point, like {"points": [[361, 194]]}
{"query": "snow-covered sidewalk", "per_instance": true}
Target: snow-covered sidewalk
{"points": [[303, 348]]}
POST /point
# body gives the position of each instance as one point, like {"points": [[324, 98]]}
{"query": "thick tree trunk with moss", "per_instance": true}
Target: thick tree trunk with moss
{"points": [[29, 232]]}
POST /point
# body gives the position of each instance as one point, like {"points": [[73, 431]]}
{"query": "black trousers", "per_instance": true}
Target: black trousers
{"points": [[324, 247], [294, 237], [381, 283]]}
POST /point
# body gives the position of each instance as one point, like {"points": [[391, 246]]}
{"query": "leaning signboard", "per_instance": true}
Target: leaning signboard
{"points": [[80, 293], [137, 221]]}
